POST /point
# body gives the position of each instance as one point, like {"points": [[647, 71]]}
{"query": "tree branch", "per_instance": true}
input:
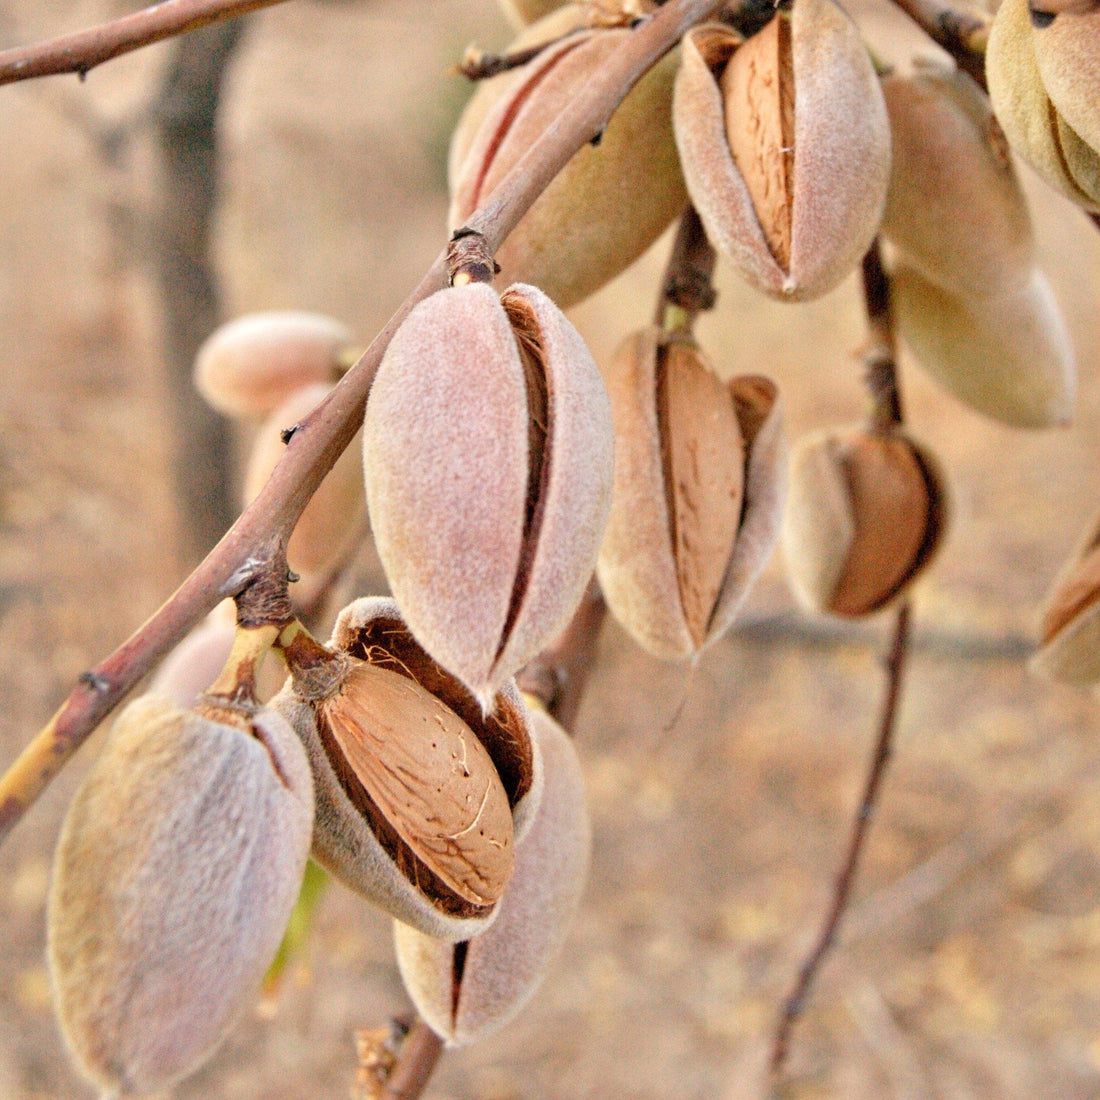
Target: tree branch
{"points": [[82, 51], [260, 534], [886, 415]]}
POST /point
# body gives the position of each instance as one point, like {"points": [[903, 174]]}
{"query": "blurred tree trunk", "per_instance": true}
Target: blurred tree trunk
{"points": [[185, 117]]}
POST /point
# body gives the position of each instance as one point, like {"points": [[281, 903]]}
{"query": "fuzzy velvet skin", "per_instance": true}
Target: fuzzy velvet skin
{"points": [[637, 569], [177, 868], [609, 203], [342, 840], [1007, 355], [841, 158], [1068, 53], [504, 966], [446, 462], [333, 520], [1035, 127], [249, 366], [955, 209], [1070, 647]]}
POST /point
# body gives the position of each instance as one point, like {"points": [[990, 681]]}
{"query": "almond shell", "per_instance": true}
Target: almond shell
{"points": [[504, 966]]}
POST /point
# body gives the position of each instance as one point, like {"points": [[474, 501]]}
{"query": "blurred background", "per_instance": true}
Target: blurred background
{"points": [[970, 962]]}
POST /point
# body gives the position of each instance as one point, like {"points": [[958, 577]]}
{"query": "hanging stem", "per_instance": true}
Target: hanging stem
{"points": [[686, 284], [881, 379], [796, 1000]]}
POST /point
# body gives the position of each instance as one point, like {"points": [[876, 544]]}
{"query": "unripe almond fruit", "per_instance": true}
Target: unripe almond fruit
{"points": [[699, 471], [1006, 355], [487, 453], [785, 146], [866, 514], [1069, 644], [1067, 49], [177, 868], [251, 365], [420, 796], [333, 520], [949, 156], [467, 991], [610, 202], [1033, 124]]}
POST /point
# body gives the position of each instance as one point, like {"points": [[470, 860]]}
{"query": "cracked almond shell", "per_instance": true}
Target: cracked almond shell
{"points": [[1069, 644], [811, 158], [333, 520], [177, 868], [610, 202], [250, 365], [487, 453], [1007, 355], [466, 992], [866, 515], [1035, 127], [389, 827], [645, 569], [955, 209]]}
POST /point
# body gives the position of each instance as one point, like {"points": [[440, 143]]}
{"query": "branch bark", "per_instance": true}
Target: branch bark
{"points": [[82, 51], [886, 415]]}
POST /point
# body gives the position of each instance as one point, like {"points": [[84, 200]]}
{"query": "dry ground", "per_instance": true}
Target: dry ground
{"points": [[970, 966]]}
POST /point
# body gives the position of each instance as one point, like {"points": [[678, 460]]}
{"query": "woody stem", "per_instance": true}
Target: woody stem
{"points": [[881, 378]]}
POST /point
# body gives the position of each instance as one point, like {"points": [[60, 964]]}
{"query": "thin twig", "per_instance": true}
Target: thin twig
{"points": [[686, 284], [416, 1060], [559, 675], [478, 64], [880, 354], [962, 33], [82, 51], [792, 1007], [881, 379]]}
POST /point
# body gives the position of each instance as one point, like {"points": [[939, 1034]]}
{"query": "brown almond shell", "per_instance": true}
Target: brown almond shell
{"points": [[177, 868], [503, 967], [372, 629], [637, 565], [610, 202], [447, 467], [821, 529], [841, 153]]}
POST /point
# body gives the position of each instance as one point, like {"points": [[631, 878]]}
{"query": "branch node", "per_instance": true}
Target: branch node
{"points": [[99, 684], [469, 259]]}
